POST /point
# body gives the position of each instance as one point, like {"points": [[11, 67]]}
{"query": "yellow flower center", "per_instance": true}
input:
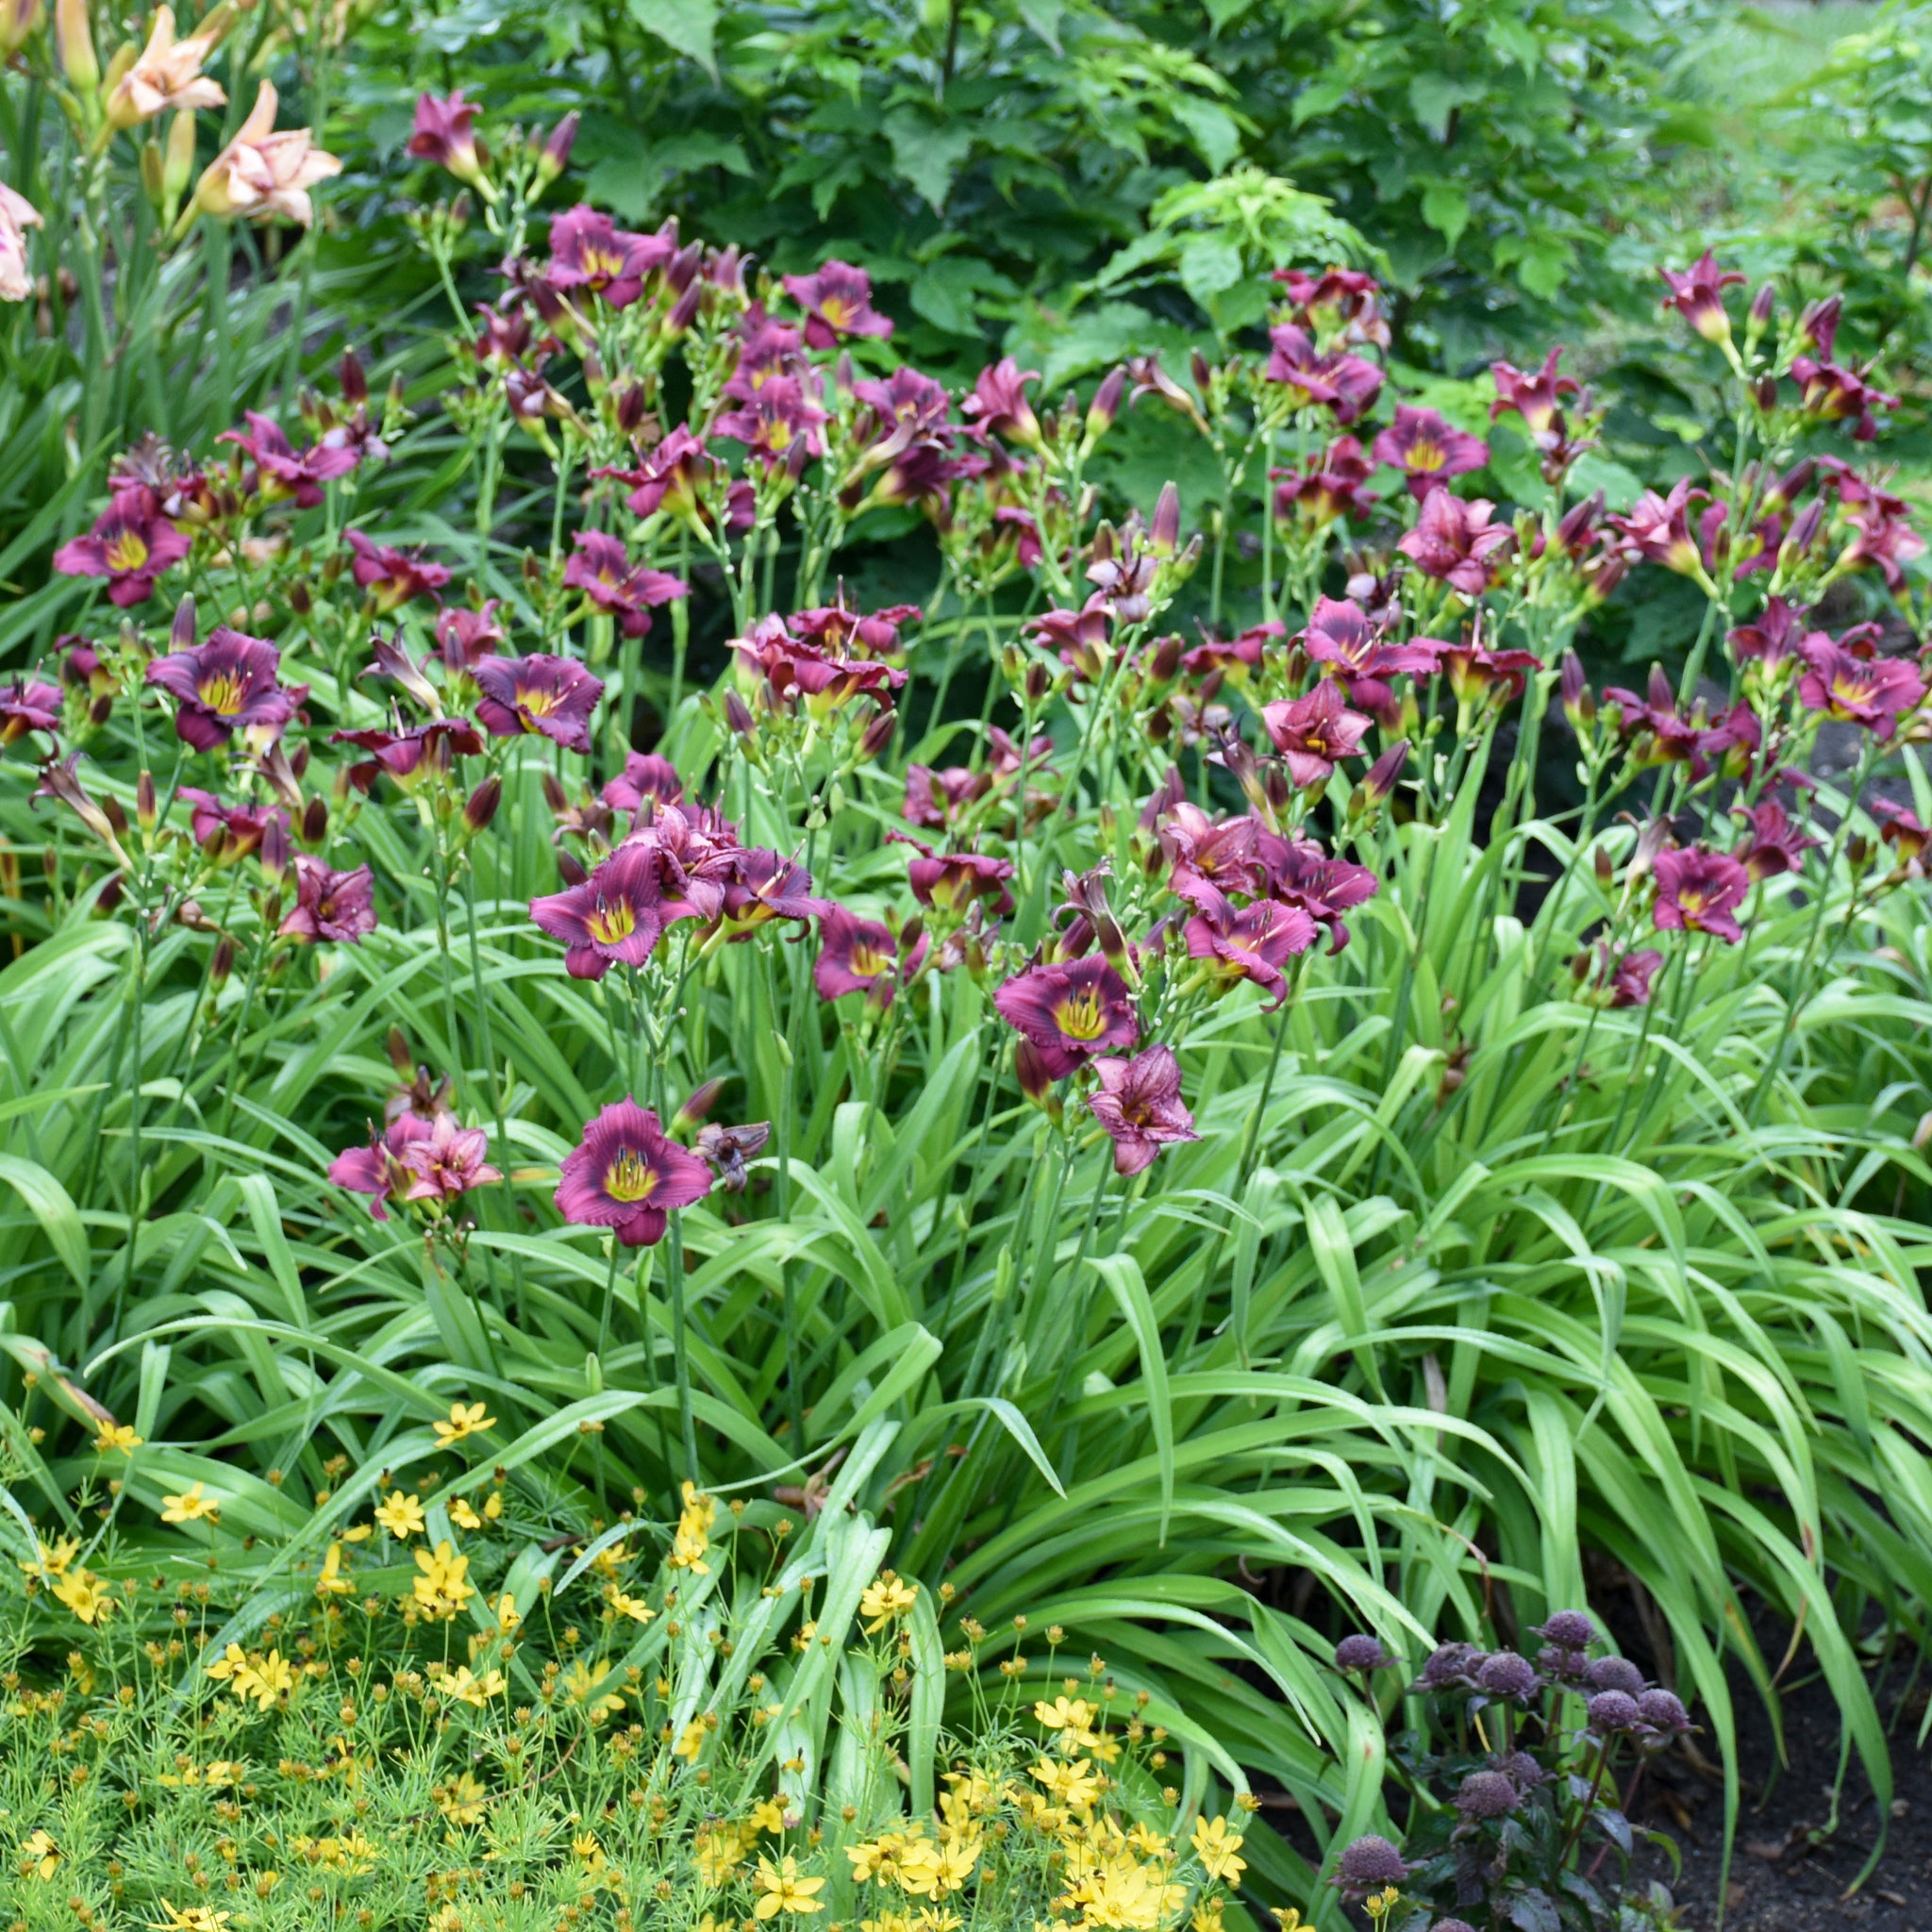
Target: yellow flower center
{"points": [[539, 704], [629, 1178], [1079, 1017], [129, 551], [868, 962], [222, 693], [1425, 455], [611, 922], [598, 262]]}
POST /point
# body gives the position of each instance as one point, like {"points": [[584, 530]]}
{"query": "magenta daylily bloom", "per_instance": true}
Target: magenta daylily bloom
{"points": [[445, 134], [1538, 398], [998, 405], [678, 476], [1139, 1102], [1210, 858], [1069, 1012], [645, 776], [393, 577], [411, 755], [1338, 301], [1902, 830], [229, 684], [951, 881], [1454, 539], [615, 918], [231, 832], [1868, 690], [588, 251], [1252, 943], [862, 956], [466, 637], [553, 696], [1772, 638], [284, 470], [1699, 891], [1659, 528], [781, 424], [1327, 485], [1315, 733], [1301, 874], [1427, 450], [1340, 634], [330, 905], [1773, 843], [130, 544], [840, 631], [378, 1168], [765, 886], [1342, 384], [838, 302], [28, 707], [626, 1176], [1235, 656], [935, 799], [1475, 670], [603, 572], [447, 1161], [1629, 980], [1833, 393], [1698, 295]]}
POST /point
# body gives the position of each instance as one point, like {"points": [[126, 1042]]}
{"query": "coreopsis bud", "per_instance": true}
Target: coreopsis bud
{"points": [[481, 806], [74, 35]]}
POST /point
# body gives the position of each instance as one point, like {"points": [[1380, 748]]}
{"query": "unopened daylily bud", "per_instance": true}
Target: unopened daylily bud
{"points": [[684, 311], [632, 402], [179, 168], [1037, 684], [877, 736], [223, 963], [736, 716], [1166, 661], [556, 154], [1803, 531], [1383, 774], [19, 22], [703, 1097], [74, 34], [147, 811], [1604, 867], [181, 633], [1763, 305], [1858, 852], [117, 816], [481, 806], [570, 871], [1034, 1075], [1106, 405], [154, 173], [1579, 701], [555, 796], [354, 381], [1203, 375], [314, 822], [1764, 392]]}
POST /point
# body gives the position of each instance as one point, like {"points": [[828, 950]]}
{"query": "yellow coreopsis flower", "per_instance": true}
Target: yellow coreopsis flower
{"points": [[466, 1687], [691, 1740], [462, 1515], [117, 1437], [39, 1855], [1287, 1917], [937, 1870], [694, 1535], [718, 1850], [196, 1919], [465, 1420], [86, 1595], [1205, 1917], [462, 1801], [54, 1559], [443, 1589], [582, 1687], [331, 1581], [886, 1601], [1065, 1713], [192, 1506], [768, 1815], [273, 1677], [634, 1608], [1075, 1785], [402, 1515], [1217, 1846], [782, 1889]]}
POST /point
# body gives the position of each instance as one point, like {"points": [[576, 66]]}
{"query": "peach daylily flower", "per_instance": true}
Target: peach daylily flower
{"points": [[262, 174], [167, 74], [17, 215]]}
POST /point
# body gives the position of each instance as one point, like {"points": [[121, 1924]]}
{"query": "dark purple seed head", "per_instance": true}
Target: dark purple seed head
{"points": [[1506, 1675], [1569, 1630], [1663, 1711], [1450, 1663], [1360, 1653], [1615, 1674], [1521, 1769], [1369, 1864], [1613, 1712], [1485, 1794]]}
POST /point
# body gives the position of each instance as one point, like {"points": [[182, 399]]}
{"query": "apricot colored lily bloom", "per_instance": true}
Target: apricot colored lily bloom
{"points": [[262, 174], [167, 74]]}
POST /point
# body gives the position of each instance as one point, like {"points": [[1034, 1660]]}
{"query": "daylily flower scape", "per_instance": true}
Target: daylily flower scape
{"points": [[949, 1026]]}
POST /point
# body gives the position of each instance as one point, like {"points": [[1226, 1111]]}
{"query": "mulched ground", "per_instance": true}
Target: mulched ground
{"points": [[1790, 1873]]}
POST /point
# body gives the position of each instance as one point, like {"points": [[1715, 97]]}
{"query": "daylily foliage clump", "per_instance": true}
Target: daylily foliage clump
{"points": [[1143, 1050]]}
